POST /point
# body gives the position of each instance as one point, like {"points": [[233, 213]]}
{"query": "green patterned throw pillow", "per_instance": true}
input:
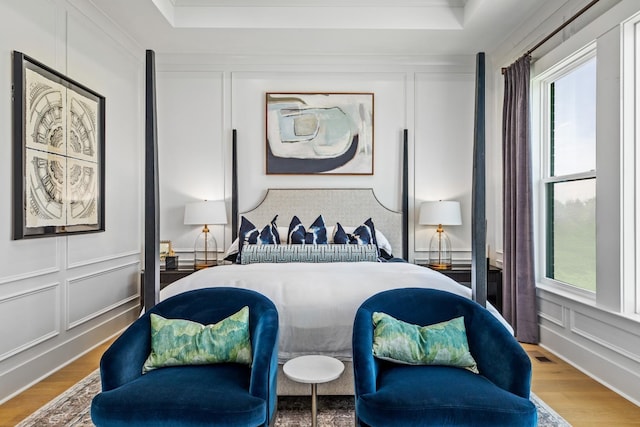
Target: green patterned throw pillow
{"points": [[443, 343], [177, 342]]}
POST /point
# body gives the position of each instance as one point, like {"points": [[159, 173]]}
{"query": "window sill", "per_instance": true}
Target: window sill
{"points": [[580, 297], [586, 301]]}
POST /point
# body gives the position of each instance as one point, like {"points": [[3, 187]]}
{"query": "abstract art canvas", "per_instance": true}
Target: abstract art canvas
{"points": [[319, 133], [58, 153]]}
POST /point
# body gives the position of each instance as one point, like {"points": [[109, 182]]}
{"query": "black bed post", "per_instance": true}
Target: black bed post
{"points": [[479, 221], [234, 185], [405, 196], [151, 277]]}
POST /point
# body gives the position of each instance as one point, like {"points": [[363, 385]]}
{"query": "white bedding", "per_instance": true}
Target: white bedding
{"points": [[317, 302]]}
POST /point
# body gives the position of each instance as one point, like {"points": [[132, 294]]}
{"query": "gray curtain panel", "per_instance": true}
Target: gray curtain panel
{"points": [[518, 262]]}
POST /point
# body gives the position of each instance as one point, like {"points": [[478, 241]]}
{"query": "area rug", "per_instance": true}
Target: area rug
{"points": [[71, 408]]}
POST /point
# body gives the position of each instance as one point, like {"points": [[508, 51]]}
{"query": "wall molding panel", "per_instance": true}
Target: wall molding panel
{"points": [[136, 254], [89, 296], [26, 330], [614, 338], [30, 275], [552, 312], [121, 303], [317, 63], [31, 268]]}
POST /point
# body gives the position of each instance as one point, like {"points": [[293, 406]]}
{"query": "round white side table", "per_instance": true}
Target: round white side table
{"points": [[313, 369]]}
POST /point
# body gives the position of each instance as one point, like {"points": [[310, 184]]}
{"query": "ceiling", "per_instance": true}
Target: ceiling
{"points": [[333, 27]]}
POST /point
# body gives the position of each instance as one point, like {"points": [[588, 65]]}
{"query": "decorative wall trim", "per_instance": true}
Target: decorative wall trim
{"points": [[55, 322], [319, 62], [30, 275], [548, 318], [95, 274], [71, 325], [37, 272], [575, 329], [94, 261], [560, 320]]}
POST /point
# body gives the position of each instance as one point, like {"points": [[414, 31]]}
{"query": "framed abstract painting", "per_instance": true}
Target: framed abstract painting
{"points": [[319, 133], [58, 153]]}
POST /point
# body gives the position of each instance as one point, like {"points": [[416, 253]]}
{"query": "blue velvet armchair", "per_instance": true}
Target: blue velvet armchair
{"points": [[392, 394], [226, 394]]}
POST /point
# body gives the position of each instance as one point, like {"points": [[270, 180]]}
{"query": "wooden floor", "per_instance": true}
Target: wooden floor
{"points": [[579, 399], [20, 407]]}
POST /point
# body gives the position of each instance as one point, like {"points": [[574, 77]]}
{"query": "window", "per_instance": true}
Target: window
{"points": [[569, 173]]}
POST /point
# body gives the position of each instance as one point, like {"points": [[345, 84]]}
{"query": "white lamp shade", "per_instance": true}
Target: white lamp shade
{"points": [[207, 212], [442, 212]]}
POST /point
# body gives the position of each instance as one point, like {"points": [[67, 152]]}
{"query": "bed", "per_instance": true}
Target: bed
{"points": [[321, 321], [317, 302]]}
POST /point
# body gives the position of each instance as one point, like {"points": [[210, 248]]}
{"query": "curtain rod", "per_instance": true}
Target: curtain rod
{"points": [[557, 30]]}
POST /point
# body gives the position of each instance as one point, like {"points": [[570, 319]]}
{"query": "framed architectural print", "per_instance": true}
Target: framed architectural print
{"points": [[58, 153], [319, 133], [165, 249]]}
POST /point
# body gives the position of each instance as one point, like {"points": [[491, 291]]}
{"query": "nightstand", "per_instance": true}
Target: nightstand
{"points": [[461, 273], [170, 276]]}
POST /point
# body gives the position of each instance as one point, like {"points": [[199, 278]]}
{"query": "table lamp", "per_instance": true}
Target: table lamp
{"points": [[442, 212], [205, 213]]}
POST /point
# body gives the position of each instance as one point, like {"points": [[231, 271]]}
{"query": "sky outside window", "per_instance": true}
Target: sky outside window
{"points": [[574, 127]]}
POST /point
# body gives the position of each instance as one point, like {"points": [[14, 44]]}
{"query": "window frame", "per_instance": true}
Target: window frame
{"points": [[630, 165], [541, 139]]}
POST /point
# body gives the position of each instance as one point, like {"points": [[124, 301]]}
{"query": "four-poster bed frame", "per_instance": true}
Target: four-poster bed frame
{"points": [[479, 265], [151, 262]]}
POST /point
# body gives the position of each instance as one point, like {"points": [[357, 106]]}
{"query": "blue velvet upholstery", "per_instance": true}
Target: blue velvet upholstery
{"points": [[390, 394], [213, 395]]}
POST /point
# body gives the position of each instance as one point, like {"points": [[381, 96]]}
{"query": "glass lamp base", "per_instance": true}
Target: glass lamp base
{"points": [[205, 251], [440, 251]]}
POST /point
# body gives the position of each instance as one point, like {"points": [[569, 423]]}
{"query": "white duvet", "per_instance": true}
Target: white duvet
{"points": [[317, 303]]}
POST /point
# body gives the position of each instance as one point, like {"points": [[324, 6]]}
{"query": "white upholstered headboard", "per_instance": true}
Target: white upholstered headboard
{"points": [[348, 206]]}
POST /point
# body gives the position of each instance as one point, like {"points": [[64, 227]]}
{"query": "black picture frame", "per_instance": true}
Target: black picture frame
{"points": [[58, 153]]}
